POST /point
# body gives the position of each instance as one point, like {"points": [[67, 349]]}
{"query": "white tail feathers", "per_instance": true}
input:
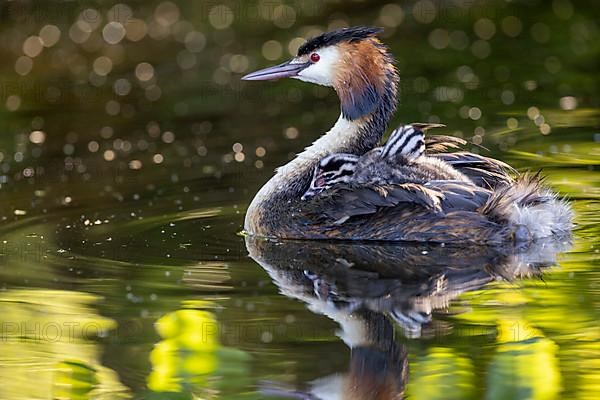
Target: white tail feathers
{"points": [[529, 204]]}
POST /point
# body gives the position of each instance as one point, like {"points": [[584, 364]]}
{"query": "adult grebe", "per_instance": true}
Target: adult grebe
{"points": [[361, 70]]}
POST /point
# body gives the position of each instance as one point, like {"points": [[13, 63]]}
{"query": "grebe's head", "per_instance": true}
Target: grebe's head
{"points": [[407, 141], [351, 60], [331, 170]]}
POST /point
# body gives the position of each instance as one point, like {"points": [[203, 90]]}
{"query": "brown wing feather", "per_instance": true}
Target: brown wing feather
{"points": [[345, 201], [460, 196], [483, 171], [441, 143]]}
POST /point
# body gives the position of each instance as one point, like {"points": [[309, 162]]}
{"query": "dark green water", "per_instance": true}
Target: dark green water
{"points": [[127, 163]]}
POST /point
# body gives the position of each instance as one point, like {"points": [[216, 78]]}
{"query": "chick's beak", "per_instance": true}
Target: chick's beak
{"points": [[308, 195], [284, 70]]}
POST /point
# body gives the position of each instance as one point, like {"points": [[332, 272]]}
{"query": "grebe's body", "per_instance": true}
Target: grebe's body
{"points": [[440, 196]]}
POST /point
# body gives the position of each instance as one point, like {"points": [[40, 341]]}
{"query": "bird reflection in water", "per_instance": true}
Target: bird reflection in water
{"points": [[368, 289]]}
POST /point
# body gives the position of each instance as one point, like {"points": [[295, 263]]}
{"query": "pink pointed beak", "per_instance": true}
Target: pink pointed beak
{"points": [[284, 70]]}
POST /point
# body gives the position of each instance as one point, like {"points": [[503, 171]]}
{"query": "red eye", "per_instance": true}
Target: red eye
{"points": [[314, 57]]}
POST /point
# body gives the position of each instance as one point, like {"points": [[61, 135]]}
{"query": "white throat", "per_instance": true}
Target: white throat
{"points": [[337, 140]]}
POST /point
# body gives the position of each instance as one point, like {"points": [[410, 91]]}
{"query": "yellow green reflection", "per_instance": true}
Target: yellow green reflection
{"points": [[441, 374], [47, 345], [190, 357]]}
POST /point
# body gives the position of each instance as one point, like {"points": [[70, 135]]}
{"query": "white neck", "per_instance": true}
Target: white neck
{"points": [[338, 139]]}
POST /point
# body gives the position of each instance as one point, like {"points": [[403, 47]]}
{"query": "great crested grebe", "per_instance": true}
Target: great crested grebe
{"points": [[362, 72]]}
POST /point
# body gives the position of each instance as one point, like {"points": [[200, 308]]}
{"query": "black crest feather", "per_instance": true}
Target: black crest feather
{"points": [[341, 35]]}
